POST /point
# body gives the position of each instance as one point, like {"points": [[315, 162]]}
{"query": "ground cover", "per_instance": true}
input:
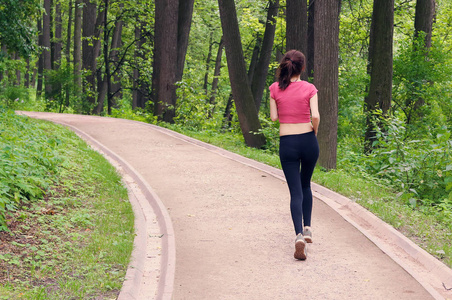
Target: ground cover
{"points": [[73, 237]]}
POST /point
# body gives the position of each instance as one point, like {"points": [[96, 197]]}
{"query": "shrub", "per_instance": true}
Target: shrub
{"points": [[28, 161]]}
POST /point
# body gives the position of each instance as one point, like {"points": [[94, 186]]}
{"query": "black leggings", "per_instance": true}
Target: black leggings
{"points": [[298, 154]]}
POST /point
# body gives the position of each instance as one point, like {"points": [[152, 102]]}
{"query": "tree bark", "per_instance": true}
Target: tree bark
{"points": [[57, 44], [40, 62], [27, 74], [379, 64], [243, 97], [138, 99], [46, 48], [164, 77], [78, 46], [297, 28], [326, 48], [311, 37], [208, 59], [216, 73], [260, 77], [254, 58], [68, 49], [183, 33], [423, 20], [88, 53], [423, 24]]}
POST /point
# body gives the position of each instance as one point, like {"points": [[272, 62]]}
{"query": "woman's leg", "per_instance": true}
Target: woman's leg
{"points": [[290, 162], [308, 161]]}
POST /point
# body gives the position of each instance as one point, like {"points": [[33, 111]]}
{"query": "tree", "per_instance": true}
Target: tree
{"points": [[297, 27], [326, 63], [311, 37], [216, 73], [89, 53], [183, 32], [243, 97], [140, 86], [261, 71], [423, 20], [110, 55], [78, 45], [16, 30], [172, 29], [165, 52], [47, 62], [379, 65]]}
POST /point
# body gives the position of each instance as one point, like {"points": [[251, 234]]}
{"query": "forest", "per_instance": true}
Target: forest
{"points": [[383, 69]]}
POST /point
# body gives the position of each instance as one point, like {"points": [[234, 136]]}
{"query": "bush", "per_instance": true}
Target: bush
{"points": [[29, 160], [421, 169]]}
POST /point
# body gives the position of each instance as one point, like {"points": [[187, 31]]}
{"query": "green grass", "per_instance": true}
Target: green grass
{"points": [[426, 226], [75, 241]]}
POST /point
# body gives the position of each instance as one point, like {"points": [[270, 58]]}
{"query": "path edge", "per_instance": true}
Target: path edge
{"points": [[134, 276], [427, 270]]}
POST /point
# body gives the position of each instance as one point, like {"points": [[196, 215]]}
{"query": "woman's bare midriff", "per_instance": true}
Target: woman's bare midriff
{"points": [[294, 128]]}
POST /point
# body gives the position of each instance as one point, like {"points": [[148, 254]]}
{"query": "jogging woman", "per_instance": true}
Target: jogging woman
{"points": [[294, 102]]}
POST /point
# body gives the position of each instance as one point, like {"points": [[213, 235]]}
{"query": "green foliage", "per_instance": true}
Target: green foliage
{"points": [[421, 168], [84, 212], [15, 97], [29, 160], [16, 30]]}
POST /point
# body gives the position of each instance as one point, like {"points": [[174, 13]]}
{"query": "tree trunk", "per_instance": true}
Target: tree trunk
{"points": [[18, 80], [208, 59], [183, 33], [254, 58], [68, 50], [164, 77], [138, 99], [379, 64], [423, 20], [297, 28], [311, 37], [243, 97], [105, 87], [27, 74], [326, 48], [46, 50], [78, 46], [88, 54], [57, 43], [260, 77], [116, 87], [423, 23], [40, 62], [216, 74]]}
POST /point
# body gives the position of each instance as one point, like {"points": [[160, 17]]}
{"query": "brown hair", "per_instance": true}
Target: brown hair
{"points": [[292, 64]]}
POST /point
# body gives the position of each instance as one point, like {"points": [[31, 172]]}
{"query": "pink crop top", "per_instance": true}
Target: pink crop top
{"points": [[293, 103]]}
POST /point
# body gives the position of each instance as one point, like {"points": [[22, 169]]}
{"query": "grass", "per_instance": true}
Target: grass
{"points": [[426, 226], [75, 241]]}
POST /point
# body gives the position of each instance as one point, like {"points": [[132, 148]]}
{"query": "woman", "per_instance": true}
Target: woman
{"points": [[294, 102]]}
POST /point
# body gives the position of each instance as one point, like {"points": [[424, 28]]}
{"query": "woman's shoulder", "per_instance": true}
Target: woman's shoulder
{"points": [[307, 83], [310, 85], [274, 85]]}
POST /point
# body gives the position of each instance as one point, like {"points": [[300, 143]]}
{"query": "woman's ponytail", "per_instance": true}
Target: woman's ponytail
{"points": [[292, 64]]}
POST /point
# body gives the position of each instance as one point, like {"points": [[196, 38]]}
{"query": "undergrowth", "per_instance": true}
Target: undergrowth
{"points": [[70, 233]]}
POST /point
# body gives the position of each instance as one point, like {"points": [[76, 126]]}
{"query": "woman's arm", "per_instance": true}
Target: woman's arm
{"points": [[273, 110], [315, 116]]}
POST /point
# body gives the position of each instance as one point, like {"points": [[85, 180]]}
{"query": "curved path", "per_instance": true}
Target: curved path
{"points": [[233, 229]]}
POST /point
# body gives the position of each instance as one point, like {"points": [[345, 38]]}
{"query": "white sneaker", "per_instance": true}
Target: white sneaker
{"points": [[300, 248]]}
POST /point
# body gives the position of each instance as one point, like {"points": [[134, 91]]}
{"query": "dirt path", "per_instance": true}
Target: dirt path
{"points": [[234, 236]]}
